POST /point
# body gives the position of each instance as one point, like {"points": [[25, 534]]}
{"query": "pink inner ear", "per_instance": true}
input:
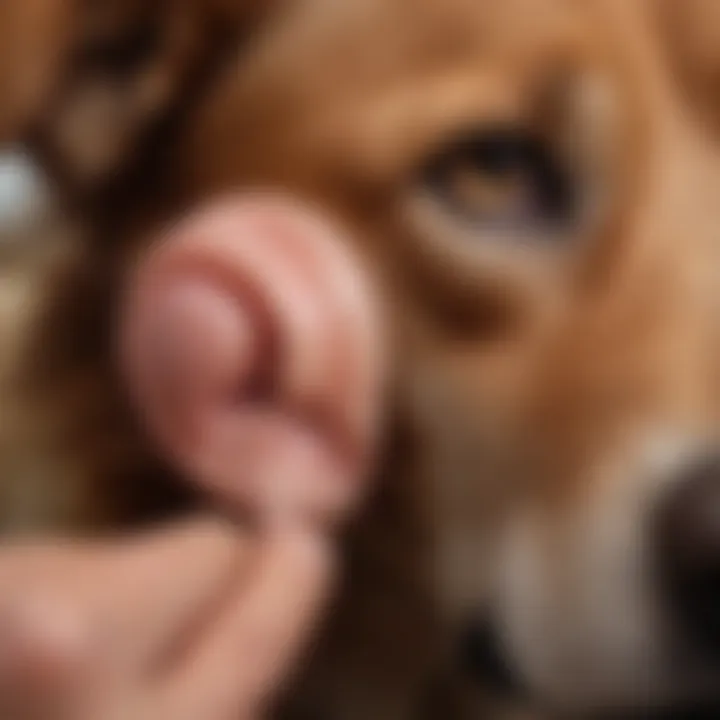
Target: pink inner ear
{"points": [[250, 349]]}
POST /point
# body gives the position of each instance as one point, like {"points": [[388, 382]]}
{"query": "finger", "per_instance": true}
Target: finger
{"points": [[147, 593], [46, 663], [248, 651], [116, 605]]}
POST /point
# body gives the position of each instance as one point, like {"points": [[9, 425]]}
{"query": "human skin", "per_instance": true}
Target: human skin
{"points": [[205, 617]]}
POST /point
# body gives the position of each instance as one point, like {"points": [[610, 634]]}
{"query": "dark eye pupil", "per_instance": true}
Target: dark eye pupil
{"points": [[538, 188], [500, 153]]}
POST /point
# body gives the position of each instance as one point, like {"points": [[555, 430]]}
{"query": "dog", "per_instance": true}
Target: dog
{"points": [[535, 185]]}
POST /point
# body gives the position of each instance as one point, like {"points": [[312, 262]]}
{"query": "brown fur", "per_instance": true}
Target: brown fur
{"points": [[517, 372]]}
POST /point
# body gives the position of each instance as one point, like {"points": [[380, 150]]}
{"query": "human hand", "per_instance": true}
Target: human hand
{"points": [[194, 622], [203, 621]]}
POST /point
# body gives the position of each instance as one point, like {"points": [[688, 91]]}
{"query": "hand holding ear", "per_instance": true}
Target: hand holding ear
{"points": [[252, 352]]}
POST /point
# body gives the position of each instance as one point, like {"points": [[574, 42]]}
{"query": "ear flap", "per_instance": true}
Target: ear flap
{"points": [[691, 32], [132, 64], [250, 346]]}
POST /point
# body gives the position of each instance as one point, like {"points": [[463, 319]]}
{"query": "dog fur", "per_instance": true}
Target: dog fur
{"points": [[545, 387]]}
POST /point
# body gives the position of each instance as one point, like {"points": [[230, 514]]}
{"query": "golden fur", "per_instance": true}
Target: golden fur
{"points": [[529, 377]]}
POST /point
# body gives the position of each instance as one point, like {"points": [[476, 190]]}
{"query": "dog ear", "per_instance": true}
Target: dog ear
{"points": [[131, 63], [690, 30]]}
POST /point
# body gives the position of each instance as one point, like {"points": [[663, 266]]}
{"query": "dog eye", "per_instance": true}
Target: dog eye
{"points": [[502, 178]]}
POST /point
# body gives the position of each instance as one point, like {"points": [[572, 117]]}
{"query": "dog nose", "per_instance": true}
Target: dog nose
{"points": [[688, 536]]}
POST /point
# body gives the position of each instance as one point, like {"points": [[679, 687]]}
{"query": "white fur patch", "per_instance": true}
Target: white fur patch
{"points": [[578, 599]]}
